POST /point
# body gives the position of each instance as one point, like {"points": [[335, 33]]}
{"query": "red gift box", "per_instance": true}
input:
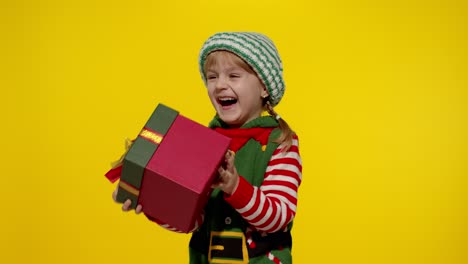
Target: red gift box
{"points": [[170, 167]]}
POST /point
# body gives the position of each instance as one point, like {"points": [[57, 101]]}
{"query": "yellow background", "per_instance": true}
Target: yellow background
{"points": [[376, 90]]}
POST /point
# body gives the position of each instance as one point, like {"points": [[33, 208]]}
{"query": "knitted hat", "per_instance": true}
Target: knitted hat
{"points": [[255, 49]]}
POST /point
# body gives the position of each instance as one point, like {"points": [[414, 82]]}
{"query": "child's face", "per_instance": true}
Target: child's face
{"points": [[235, 92]]}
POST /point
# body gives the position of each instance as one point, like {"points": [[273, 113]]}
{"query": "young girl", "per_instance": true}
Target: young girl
{"points": [[249, 216]]}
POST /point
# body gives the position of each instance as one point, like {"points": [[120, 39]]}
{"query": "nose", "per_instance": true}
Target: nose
{"points": [[221, 83]]}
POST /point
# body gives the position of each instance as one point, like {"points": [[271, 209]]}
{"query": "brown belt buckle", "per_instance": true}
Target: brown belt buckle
{"points": [[228, 247]]}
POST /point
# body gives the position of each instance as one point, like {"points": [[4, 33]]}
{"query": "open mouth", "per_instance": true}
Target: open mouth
{"points": [[227, 101]]}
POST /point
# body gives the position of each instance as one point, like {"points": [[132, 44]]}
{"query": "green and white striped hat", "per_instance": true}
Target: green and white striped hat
{"points": [[255, 49]]}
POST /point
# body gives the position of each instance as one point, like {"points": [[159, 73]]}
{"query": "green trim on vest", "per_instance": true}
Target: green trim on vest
{"points": [[263, 121]]}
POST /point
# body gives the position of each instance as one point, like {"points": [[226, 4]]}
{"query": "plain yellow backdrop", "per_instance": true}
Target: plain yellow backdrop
{"points": [[376, 90]]}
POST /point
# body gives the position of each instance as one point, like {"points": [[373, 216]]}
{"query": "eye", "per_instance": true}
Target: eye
{"points": [[234, 75], [211, 77]]}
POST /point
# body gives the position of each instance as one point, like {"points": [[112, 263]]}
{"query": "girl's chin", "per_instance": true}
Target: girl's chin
{"points": [[227, 114], [230, 120]]}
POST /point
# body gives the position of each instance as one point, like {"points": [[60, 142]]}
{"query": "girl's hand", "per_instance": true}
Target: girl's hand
{"points": [[228, 178], [127, 203]]}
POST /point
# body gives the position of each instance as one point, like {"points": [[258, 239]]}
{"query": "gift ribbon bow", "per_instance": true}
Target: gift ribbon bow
{"points": [[116, 167], [128, 144]]}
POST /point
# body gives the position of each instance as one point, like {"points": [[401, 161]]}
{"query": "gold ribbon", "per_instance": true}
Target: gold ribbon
{"points": [[145, 133], [128, 144], [151, 136], [129, 188]]}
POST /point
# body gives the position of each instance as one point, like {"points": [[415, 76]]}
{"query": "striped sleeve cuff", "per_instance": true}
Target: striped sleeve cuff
{"points": [[242, 195]]}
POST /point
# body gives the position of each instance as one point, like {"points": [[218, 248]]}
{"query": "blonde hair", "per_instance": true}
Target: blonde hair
{"points": [[216, 57], [286, 137]]}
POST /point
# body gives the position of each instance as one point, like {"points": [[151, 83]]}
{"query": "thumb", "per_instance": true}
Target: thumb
{"points": [[114, 195]]}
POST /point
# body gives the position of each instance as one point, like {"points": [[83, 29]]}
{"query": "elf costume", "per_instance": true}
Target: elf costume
{"points": [[253, 224]]}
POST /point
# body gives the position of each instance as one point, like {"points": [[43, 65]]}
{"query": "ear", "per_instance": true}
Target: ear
{"points": [[264, 93]]}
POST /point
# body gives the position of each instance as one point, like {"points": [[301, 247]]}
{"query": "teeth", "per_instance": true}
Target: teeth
{"points": [[227, 99]]}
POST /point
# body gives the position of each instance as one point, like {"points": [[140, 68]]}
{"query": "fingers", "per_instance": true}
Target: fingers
{"points": [[138, 209], [229, 160], [221, 172], [126, 205], [217, 185], [218, 181], [228, 176]]}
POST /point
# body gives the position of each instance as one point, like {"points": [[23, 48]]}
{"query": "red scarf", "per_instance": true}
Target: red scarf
{"points": [[240, 136]]}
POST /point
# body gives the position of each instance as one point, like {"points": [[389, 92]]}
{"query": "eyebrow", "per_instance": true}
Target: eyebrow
{"points": [[232, 68]]}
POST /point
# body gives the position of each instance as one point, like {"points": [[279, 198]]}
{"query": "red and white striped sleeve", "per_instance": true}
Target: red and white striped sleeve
{"points": [[272, 206]]}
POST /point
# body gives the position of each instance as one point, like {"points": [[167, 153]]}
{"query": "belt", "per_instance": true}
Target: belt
{"points": [[227, 247], [231, 246]]}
